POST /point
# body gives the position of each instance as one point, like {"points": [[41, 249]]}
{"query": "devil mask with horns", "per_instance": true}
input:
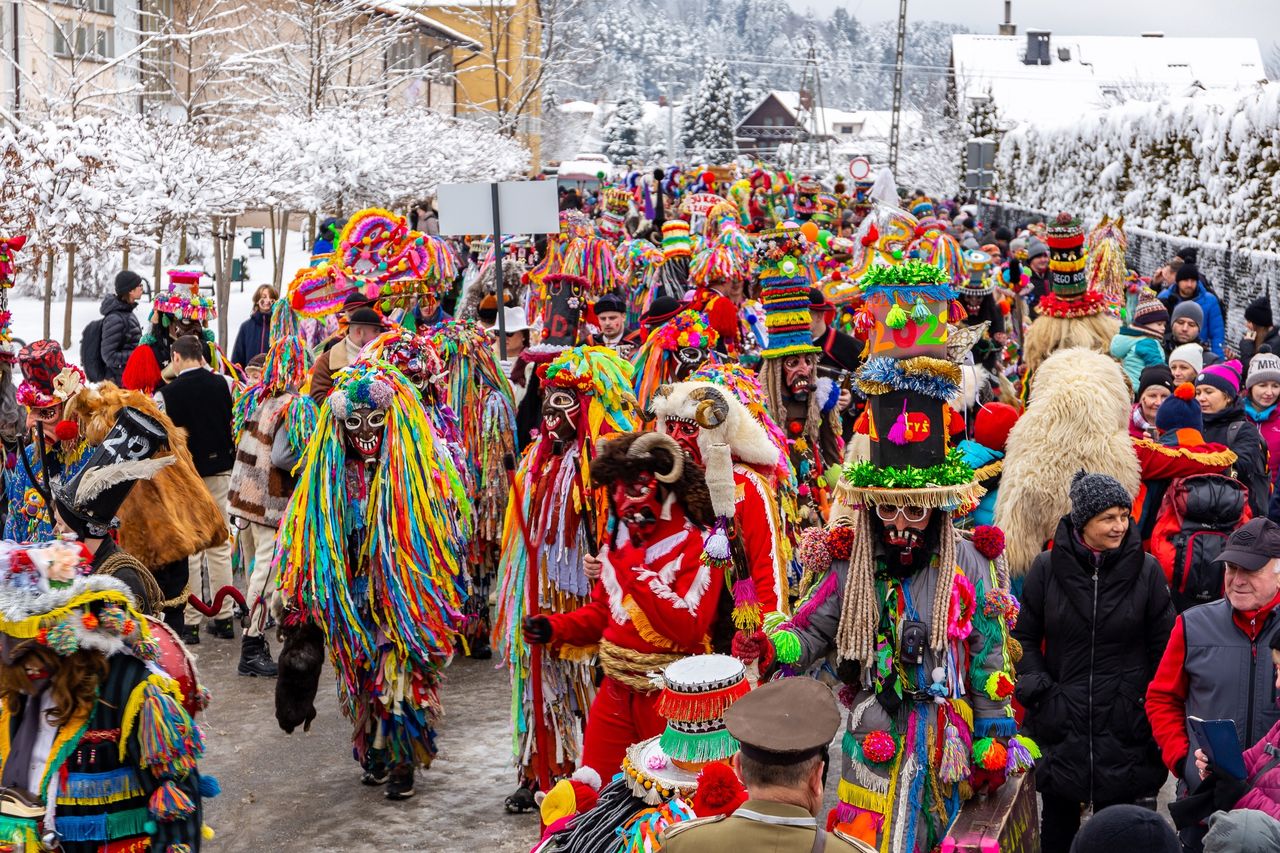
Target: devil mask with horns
{"points": [[645, 473]]}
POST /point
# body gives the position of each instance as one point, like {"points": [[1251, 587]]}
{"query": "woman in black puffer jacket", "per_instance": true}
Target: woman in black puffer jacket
{"points": [[1096, 616]]}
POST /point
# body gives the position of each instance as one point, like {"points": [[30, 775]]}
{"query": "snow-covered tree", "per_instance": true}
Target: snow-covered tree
{"points": [[708, 131], [623, 131]]}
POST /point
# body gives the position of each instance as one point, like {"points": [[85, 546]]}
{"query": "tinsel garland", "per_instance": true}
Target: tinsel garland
{"points": [[931, 377], [698, 747], [952, 471], [905, 274]]}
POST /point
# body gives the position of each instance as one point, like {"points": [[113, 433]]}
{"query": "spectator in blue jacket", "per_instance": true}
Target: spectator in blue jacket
{"points": [[1189, 287]]}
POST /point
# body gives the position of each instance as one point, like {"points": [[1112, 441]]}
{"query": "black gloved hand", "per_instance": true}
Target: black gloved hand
{"points": [[1226, 790], [887, 696], [537, 630]]}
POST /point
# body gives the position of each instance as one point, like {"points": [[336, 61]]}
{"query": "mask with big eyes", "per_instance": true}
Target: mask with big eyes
{"points": [[797, 374], [638, 505], [689, 359], [364, 429], [560, 414], [686, 435]]}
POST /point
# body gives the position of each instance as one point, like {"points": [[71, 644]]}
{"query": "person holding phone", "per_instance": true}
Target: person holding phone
{"points": [[1260, 789]]}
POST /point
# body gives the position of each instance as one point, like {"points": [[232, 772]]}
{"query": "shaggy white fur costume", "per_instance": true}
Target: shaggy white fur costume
{"points": [[1076, 418]]}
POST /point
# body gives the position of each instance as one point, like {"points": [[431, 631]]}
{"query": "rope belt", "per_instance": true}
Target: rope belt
{"points": [[632, 668]]}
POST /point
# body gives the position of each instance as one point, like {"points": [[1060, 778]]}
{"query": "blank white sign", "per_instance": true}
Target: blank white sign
{"points": [[527, 207]]}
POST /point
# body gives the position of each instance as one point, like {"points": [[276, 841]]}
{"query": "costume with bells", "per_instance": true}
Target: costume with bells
{"points": [[805, 405], [371, 550], [918, 617], [120, 773], [555, 513], [655, 601]]}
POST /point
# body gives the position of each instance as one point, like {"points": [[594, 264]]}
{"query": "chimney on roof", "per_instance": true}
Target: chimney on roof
{"points": [[1008, 28], [1037, 48]]}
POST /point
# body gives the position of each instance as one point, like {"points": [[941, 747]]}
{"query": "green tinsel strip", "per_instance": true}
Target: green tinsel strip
{"points": [[950, 472], [909, 272], [712, 746]]}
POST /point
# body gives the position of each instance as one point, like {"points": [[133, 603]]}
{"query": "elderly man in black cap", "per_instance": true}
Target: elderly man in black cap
{"points": [[785, 730], [1212, 667]]}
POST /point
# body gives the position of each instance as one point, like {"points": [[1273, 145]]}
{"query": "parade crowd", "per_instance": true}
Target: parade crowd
{"points": [[733, 460]]}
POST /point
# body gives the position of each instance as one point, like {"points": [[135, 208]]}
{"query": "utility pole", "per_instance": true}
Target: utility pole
{"points": [[898, 59], [812, 113]]}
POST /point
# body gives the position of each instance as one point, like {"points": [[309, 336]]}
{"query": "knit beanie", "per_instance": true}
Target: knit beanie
{"points": [[1259, 312], [1150, 310], [1192, 354], [1126, 827], [1190, 310], [1180, 411], [1035, 249], [126, 280], [1187, 272], [1225, 377], [1156, 374], [1263, 367], [1188, 254], [1094, 494], [992, 424]]}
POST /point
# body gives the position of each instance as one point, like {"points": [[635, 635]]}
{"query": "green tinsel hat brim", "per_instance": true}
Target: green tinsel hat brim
{"points": [[698, 747], [949, 485]]}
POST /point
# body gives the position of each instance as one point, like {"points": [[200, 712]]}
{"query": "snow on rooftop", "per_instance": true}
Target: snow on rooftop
{"points": [[410, 10], [1091, 72], [867, 123], [577, 107]]}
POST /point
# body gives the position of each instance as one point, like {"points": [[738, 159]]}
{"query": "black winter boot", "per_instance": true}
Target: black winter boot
{"points": [[255, 658]]}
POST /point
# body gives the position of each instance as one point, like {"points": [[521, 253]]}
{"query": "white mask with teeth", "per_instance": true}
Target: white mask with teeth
{"points": [[364, 428]]}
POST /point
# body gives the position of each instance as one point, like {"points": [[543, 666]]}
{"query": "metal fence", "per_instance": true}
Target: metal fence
{"points": [[1238, 276]]}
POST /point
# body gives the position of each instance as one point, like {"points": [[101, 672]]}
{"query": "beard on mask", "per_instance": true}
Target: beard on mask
{"points": [[910, 550]]}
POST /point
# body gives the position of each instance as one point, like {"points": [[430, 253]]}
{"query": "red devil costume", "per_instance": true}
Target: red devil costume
{"points": [[655, 601]]}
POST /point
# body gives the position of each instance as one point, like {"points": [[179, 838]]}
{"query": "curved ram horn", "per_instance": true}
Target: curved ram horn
{"points": [[713, 408], [644, 445]]}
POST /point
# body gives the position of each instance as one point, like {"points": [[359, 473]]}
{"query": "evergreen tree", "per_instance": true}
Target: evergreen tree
{"points": [[709, 129], [622, 134]]}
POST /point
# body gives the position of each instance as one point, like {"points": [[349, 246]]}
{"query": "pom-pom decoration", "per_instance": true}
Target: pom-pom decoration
{"points": [[840, 542], [879, 747], [999, 686], [1022, 754], [989, 754], [1185, 391], [720, 792], [988, 540], [66, 430], [814, 553], [786, 645]]}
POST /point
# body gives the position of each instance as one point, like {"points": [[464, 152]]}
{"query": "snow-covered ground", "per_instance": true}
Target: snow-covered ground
{"points": [[28, 311]]}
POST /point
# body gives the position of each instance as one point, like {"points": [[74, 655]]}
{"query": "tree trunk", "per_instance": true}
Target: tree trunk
{"points": [[230, 249], [218, 274], [312, 221], [124, 258], [280, 247], [48, 297], [182, 245], [275, 267], [71, 293]]}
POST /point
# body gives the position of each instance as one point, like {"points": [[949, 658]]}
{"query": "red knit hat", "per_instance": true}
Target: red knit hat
{"points": [[991, 426]]}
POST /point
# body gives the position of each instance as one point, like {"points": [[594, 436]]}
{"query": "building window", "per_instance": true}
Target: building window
{"points": [[90, 42], [102, 7]]}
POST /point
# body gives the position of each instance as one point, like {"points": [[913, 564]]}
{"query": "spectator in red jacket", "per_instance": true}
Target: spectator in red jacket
{"points": [[1211, 668]]}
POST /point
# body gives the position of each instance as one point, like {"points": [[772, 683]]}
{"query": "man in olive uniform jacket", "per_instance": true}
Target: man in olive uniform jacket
{"points": [[785, 728]]}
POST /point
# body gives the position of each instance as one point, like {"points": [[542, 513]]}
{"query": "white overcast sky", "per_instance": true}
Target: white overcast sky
{"points": [[1258, 18]]}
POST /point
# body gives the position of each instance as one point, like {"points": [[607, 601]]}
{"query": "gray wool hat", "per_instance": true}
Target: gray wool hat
{"points": [[1263, 367], [1190, 310], [1094, 494]]}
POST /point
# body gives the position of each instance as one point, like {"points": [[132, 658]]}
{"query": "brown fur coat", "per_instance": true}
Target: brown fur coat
{"points": [[1077, 418], [165, 519]]}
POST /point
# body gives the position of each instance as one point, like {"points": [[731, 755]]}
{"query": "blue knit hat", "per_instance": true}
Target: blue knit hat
{"points": [[1180, 410]]}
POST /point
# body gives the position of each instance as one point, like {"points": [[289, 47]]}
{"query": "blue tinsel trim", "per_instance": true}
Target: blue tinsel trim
{"points": [[995, 727], [828, 394], [85, 786], [887, 371]]}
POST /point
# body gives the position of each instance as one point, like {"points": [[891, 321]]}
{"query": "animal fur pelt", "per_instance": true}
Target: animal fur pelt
{"points": [[169, 517], [484, 283], [1077, 418], [1048, 334], [624, 457], [301, 659]]}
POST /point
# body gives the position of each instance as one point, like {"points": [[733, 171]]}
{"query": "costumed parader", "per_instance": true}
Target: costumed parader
{"points": [[805, 405], [1070, 315], [673, 352], [554, 524], [97, 750], [741, 464], [180, 310], [271, 422], [680, 774], [719, 273], [917, 615], [655, 601], [370, 552], [480, 395], [669, 275], [56, 449], [1077, 418], [86, 504]]}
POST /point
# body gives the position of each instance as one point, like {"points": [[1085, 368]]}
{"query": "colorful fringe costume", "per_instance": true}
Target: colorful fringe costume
{"points": [[672, 352], [481, 396], [554, 504], [372, 553], [121, 773]]}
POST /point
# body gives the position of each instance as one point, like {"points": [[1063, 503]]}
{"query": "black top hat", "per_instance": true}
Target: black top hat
{"points": [[88, 501]]}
